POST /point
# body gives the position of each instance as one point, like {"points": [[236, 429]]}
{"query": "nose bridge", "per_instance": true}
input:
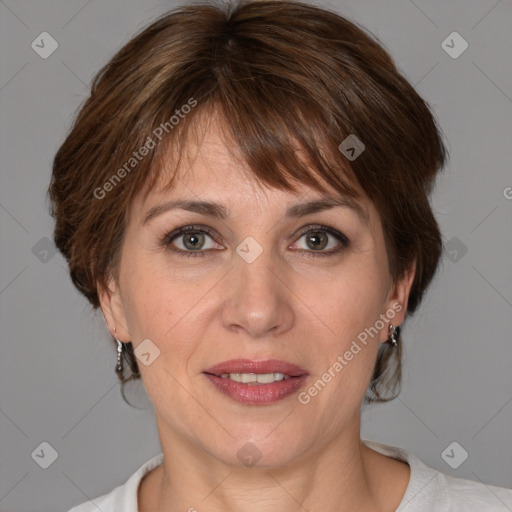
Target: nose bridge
{"points": [[257, 299], [255, 264]]}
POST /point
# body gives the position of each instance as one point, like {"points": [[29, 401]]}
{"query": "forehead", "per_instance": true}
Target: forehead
{"points": [[210, 168]]}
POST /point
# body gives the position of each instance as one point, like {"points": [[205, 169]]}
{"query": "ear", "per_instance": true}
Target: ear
{"points": [[111, 304], [397, 301]]}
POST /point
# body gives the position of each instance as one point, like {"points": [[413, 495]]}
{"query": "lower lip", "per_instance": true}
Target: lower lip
{"points": [[257, 394]]}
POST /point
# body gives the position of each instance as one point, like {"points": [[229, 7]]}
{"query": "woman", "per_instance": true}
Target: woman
{"points": [[245, 196]]}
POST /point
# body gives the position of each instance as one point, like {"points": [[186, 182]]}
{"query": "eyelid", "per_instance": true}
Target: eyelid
{"points": [[342, 239], [321, 227], [175, 233]]}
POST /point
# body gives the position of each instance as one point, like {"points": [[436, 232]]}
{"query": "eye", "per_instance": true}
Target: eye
{"points": [[192, 241], [190, 238], [317, 238]]}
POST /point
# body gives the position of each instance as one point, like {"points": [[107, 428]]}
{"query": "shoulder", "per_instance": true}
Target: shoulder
{"points": [[106, 503], [123, 497], [430, 490], [463, 495]]}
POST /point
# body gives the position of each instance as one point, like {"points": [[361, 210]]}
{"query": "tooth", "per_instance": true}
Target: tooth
{"points": [[265, 378], [255, 378], [249, 377]]}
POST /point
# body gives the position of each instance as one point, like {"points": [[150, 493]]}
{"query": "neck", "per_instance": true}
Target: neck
{"points": [[341, 476]]}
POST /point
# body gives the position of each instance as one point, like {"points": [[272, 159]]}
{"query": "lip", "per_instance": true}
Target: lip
{"points": [[252, 366], [256, 394]]}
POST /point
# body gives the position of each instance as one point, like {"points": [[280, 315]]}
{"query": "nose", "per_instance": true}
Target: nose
{"points": [[258, 297]]}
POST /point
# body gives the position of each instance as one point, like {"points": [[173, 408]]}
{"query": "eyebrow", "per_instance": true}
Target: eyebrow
{"points": [[219, 211]]}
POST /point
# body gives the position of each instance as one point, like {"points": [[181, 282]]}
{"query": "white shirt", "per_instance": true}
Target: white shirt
{"points": [[428, 490]]}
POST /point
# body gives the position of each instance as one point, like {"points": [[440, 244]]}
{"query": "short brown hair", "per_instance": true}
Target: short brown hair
{"points": [[280, 73]]}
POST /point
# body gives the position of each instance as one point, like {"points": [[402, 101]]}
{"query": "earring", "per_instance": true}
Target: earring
{"points": [[119, 365], [394, 332]]}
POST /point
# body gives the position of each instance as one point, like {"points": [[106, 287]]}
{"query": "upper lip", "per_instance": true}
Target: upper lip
{"points": [[251, 366]]}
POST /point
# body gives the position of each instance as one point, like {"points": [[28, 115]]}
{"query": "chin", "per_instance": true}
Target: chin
{"points": [[259, 448]]}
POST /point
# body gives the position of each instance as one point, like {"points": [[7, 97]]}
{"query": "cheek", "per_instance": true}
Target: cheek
{"points": [[161, 307], [146, 298], [350, 344], [347, 301]]}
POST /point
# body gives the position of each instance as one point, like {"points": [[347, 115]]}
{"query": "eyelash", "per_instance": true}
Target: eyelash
{"points": [[171, 236]]}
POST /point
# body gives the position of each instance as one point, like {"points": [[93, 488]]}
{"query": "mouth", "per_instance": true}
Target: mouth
{"points": [[256, 382]]}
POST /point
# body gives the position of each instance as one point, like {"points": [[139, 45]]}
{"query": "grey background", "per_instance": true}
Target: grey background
{"points": [[57, 381]]}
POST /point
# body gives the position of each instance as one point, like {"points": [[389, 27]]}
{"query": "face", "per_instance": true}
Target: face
{"points": [[257, 284]]}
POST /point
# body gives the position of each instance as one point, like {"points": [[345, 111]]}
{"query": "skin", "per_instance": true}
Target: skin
{"points": [[205, 310]]}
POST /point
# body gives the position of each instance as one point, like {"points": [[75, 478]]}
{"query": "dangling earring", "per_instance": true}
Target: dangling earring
{"points": [[394, 332], [119, 365]]}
